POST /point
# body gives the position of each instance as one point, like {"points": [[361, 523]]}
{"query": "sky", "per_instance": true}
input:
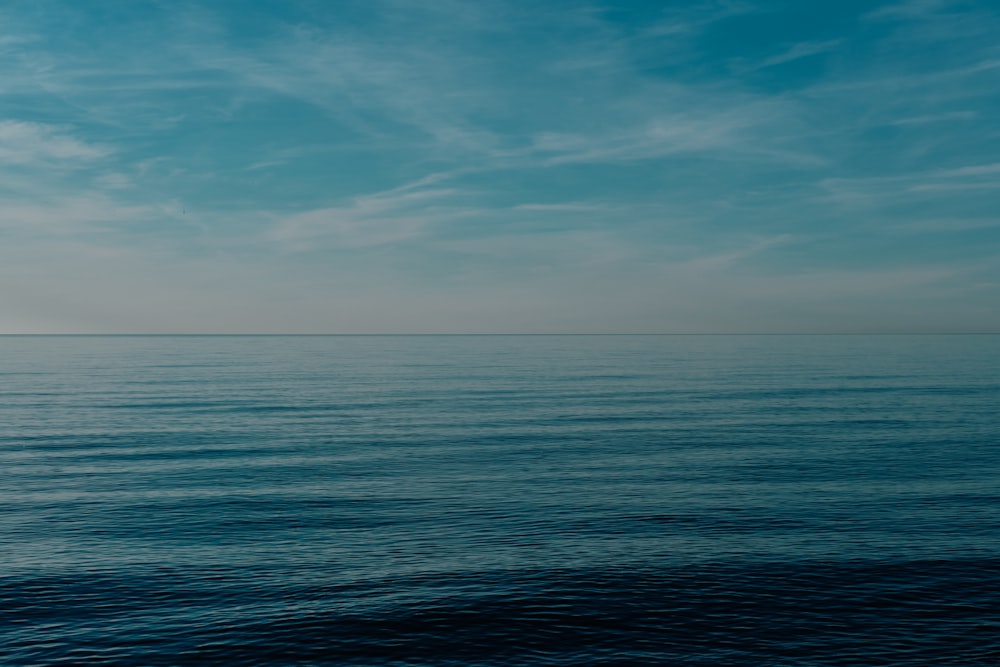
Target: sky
{"points": [[509, 166]]}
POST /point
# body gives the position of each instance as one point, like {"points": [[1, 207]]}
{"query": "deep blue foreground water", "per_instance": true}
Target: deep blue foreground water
{"points": [[507, 500]]}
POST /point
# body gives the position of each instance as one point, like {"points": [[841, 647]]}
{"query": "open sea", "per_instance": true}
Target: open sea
{"points": [[500, 500]]}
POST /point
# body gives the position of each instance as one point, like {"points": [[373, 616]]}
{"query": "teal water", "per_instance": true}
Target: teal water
{"points": [[500, 500]]}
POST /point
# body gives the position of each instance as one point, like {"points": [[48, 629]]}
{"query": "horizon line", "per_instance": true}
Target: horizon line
{"points": [[400, 334]]}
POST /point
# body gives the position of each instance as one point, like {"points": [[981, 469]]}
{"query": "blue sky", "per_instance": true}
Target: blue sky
{"points": [[499, 166]]}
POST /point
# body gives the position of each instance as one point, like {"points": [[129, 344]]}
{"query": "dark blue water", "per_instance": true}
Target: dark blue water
{"points": [[510, 500]]}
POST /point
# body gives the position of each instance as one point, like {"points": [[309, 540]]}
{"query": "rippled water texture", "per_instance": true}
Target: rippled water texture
{"points": [[508, 500]]}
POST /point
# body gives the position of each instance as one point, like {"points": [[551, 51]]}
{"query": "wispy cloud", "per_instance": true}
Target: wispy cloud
{"points": [[25, 143], [68, 215], [749, 127], [971, 170], [568, 207], [935, 118], [886, 190], [371, 220], [799, 51], [946, 225], [362, 81], [910, 9]]}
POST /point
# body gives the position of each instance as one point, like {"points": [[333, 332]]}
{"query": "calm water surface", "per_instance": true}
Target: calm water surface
{"points": [[500, 500]]}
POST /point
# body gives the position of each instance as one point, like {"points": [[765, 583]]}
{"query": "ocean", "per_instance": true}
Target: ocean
{"points": [[500, 500]]}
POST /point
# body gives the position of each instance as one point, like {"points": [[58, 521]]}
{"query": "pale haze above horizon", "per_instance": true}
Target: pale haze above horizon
{"points": [[405, 166]]}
